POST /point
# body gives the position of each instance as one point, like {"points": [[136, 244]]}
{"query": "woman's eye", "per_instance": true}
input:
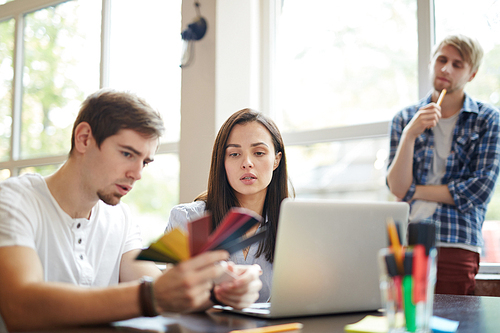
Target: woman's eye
{"points": [[126, 154], [260, 153]]}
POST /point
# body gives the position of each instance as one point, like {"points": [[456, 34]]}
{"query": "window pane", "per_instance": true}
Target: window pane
{"points": [[4, 174], [491, 230], [146, 55], [351, 170], [344, 62], [61, 67], [479, 19], [154, 195], [44, 170], [6, 75]]}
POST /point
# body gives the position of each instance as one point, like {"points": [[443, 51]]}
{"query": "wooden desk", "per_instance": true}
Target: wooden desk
{"points": [[476, 314]]}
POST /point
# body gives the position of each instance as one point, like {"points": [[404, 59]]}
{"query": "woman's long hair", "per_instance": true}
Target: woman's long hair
{"points": [[220, 196]]}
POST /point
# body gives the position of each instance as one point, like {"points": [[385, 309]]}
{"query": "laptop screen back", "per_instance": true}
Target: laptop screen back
{"points": [[326, 255]]}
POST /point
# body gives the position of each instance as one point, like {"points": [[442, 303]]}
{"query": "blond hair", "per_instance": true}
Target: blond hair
{"points": [[469, 48]]}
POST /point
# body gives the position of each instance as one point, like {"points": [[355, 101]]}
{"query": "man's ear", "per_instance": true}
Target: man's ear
{"points": [[83, 137], [473, 75]]}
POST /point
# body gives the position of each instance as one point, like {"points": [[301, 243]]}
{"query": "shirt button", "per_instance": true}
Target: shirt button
{"points": [[81, 256], [80, 241], [78, 225]]}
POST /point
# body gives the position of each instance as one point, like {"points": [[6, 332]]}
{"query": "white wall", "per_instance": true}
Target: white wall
{"points": [[223, 77]]}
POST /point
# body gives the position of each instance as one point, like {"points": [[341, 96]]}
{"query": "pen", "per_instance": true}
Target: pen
{"points": [[396, 245], [441, 96], [272, 329]]}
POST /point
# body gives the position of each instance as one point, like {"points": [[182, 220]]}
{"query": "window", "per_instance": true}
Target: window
{"points": [[145, 56], [342, 70], [344, 63], [61, 58], [6, 76], [352, 169], [60, 68]]}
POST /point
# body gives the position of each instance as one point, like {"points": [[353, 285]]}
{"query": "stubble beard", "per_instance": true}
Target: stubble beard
{"points": [[111, 199]]}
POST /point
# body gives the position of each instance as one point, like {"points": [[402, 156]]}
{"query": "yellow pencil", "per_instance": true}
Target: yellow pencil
{"points": [[441, 96], [272, 329], [396, 246]]}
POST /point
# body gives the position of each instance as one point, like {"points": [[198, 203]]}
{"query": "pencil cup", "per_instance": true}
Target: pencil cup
{"points": [[407, 279], [390, 291]]}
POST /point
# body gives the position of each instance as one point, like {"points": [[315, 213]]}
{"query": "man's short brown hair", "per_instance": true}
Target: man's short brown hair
{"points": [[469, 48], [108, 111]]}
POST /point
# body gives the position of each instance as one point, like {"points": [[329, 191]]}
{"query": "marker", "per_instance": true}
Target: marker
{"points": [[441, 96], [419, 273], [419, 283], [272, 329], [422, 241], [411, 325]]}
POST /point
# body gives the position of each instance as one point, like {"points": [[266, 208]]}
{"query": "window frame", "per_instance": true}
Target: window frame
{"points": [[17, 10]]}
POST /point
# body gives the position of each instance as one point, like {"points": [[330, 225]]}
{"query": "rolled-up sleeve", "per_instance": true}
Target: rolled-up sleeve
{"points": [[399, 122]]}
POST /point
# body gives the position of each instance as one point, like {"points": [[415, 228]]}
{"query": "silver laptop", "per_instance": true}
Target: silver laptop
{"points": [[326, 257]]}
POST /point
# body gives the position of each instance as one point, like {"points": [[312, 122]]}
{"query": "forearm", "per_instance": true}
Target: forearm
{"points": [[49, 305], [400, 172], [436, 193], [132, 269]]}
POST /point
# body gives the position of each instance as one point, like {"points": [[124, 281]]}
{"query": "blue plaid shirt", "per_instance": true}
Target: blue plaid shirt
{"points": [[471, 168]]}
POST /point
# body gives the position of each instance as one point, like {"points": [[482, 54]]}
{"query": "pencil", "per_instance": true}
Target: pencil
{"points": [[272, 329], [441, 96], [395, 244]]}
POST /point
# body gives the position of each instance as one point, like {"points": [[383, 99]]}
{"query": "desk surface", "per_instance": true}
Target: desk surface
{"points": [[476, 314]]}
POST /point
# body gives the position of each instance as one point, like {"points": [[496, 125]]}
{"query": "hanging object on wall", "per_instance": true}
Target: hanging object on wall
{"points": [[195, 31]]}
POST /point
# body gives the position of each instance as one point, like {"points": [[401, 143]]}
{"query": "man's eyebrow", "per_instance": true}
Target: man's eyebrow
{"points": [[131, 149], [138, 153]]}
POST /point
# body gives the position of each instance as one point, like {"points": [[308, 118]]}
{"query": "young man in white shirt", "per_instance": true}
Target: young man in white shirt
{"points": [[68, 246]]}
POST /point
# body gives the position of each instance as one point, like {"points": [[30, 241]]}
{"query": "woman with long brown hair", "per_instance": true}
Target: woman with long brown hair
{"points": [[248, 170]]}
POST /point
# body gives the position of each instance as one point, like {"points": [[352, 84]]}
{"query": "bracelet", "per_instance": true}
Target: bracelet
{"points": [[147, 297], [213, 299]]}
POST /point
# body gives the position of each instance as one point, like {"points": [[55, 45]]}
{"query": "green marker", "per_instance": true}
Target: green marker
{"points": [[408, 294]]}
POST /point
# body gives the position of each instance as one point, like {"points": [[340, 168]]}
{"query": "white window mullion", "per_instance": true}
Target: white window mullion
{"points": [[267, 56], [426, 40], [17, 88], [105, 43]]}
